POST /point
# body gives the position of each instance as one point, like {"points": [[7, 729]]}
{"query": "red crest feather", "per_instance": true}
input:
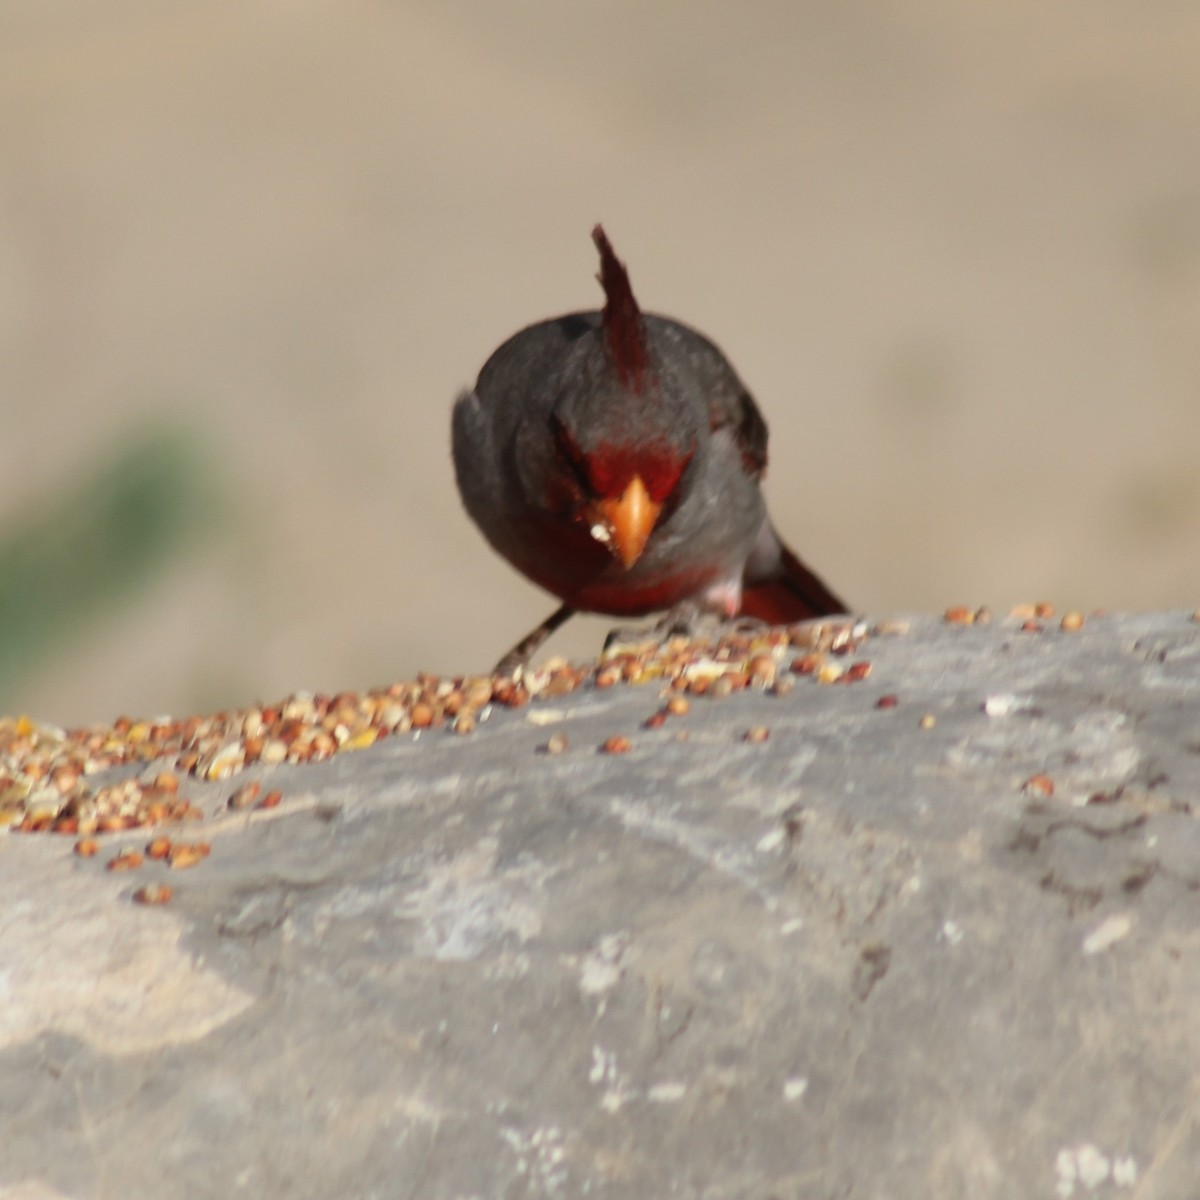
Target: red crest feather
{"points": [[624, 325]]}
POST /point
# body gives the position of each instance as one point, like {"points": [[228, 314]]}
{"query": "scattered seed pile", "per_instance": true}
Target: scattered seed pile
{"points": [[61, 781]]}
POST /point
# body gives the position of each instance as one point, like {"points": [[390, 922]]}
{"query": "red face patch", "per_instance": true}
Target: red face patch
{"points": [[610, 469]]}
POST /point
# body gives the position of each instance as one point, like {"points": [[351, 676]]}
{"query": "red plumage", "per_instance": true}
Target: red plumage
{"points": [[624, 325]]}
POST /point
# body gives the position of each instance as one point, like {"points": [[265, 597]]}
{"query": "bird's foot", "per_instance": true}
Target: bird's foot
{"points": [[684, 620]]}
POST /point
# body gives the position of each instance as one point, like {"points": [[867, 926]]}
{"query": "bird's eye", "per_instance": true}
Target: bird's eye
{"points": [[569, 453]]}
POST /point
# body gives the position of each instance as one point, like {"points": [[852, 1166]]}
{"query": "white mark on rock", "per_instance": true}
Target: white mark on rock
{"points": [[951, 933], [792, 926], [540, 1155], [113, 974], [1110, 931], [604, 1066], [794, 1088], [604, 1072], [601, 969], [1002, 704], [1087, 1166], [1124, 1171], [467, 903], [667, 1093], [770, 841], [545, 716]]}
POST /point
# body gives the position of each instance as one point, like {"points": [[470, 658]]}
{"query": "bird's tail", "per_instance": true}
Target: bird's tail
{"points": [[793, 594]]}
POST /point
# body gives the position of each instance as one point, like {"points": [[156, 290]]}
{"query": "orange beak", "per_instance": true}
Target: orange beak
{"points": [[627, 522]]}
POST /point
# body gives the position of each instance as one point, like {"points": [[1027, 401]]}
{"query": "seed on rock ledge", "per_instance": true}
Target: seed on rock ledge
{"points": [[679, 706], [762, 668], [617, 745], [888, 701], [857, 671], [1039, 785], [1043, 610], [245, 796], [655, 721], [556, 743], [607, 677], [87, 847], [160, 847], [959, 615], [928, 721], [1071, 622], [757, 733], [274, 751], [271, 799], [153, 894], [188, 854], [130, 860]]}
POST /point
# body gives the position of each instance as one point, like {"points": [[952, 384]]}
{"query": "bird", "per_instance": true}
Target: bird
{"points": [[615, 458]]}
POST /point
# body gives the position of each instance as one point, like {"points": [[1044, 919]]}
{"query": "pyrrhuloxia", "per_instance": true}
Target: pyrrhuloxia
{"points": [[615, 459]]}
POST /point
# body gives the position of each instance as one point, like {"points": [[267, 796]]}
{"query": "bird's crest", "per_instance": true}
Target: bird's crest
{"points": [[624, 325]]}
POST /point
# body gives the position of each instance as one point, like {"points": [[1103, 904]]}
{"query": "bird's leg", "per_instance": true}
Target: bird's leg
{"points": [[516, 659]]}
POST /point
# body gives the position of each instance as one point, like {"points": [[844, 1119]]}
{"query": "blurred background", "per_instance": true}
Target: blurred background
{"points": [[250, 251]]}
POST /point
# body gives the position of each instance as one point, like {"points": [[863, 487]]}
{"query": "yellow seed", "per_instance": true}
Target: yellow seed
{"points": [[360, 739]]}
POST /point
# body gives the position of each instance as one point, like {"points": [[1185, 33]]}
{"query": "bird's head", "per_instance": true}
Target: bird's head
{"points": [[623, 433]]}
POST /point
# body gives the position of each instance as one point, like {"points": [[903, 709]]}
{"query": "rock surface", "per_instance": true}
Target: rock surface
{"points": [[867, 957]]}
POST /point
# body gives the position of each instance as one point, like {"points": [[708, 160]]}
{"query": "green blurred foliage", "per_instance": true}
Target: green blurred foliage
{"points": [[66, 561]]}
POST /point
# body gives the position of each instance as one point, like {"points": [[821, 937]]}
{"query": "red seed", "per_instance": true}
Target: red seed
{"points": [[245, 796], [129, 861], [888, 701], [271, 799], [617, 745], [87, 847], [153, 894], [1039, 785]]}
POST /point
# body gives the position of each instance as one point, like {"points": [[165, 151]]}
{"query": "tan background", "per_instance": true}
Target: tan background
{"points": [[954, 250]]}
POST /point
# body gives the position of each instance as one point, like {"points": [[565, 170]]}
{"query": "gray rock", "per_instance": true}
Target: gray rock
{"points": [[857, 960]]}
